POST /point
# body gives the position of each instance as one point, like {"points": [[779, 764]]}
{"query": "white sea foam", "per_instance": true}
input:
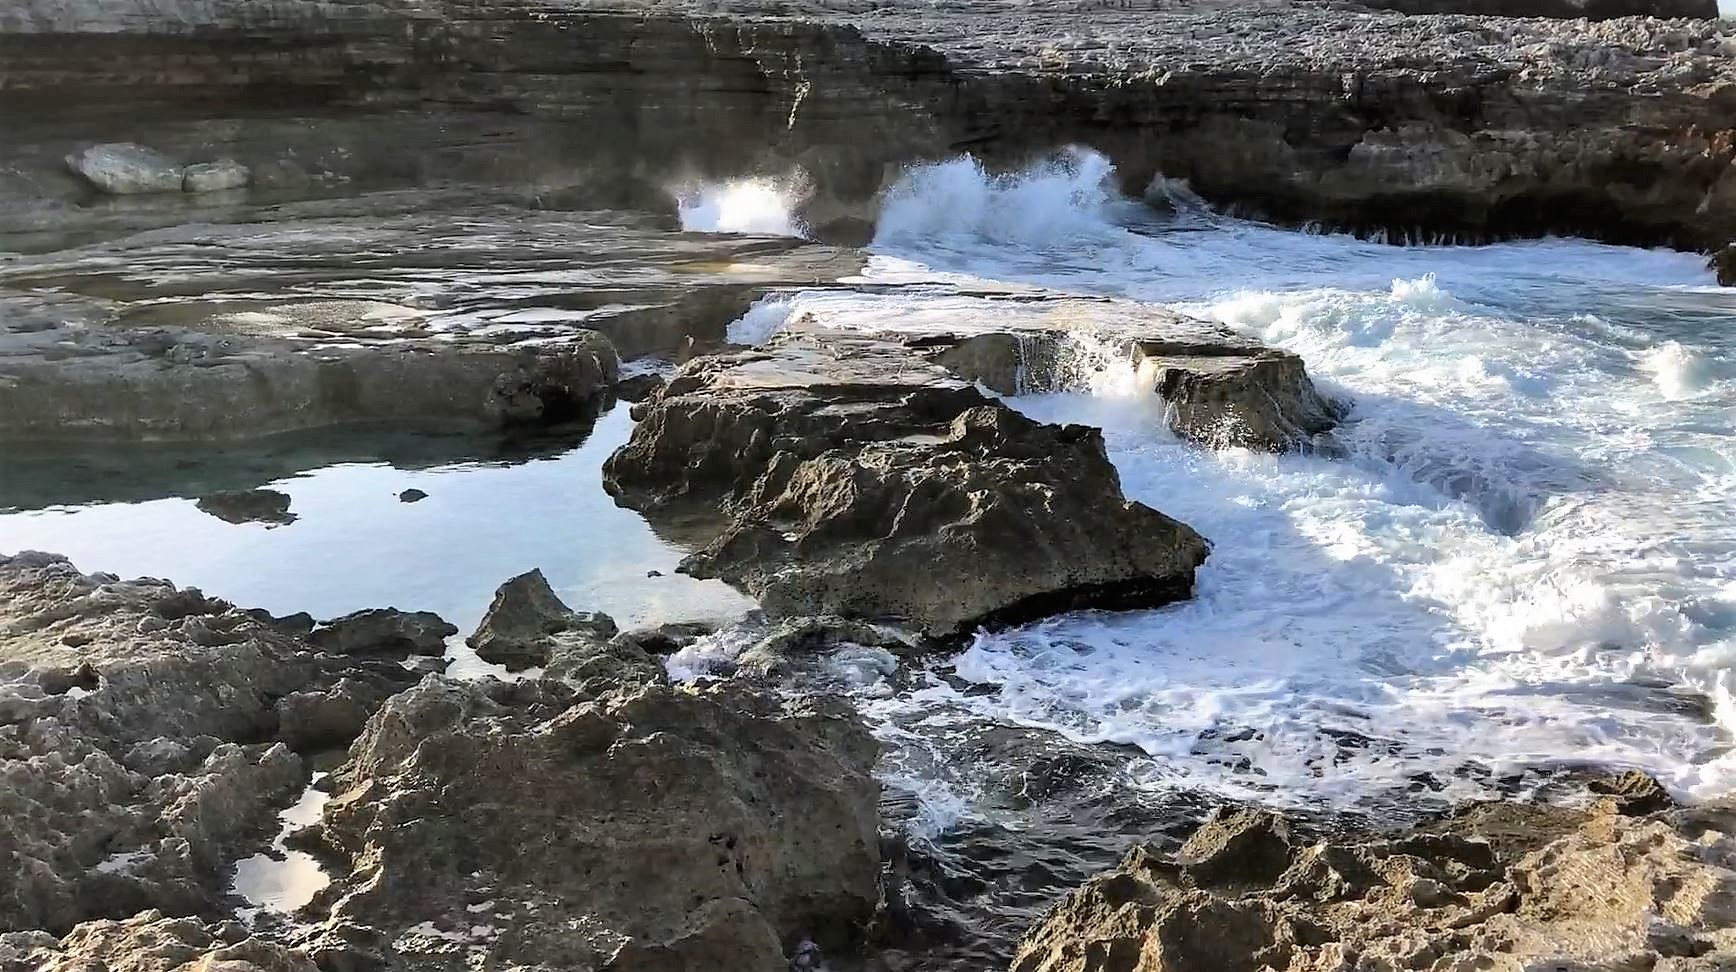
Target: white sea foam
{"points": [[759, 206], [1524, 559], [1678, 372]]}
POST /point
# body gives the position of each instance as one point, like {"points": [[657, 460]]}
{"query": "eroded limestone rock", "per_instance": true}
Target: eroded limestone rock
{"points": [[311, 365], [216, 176], [1220, 388], [1499, 887], [855, 481], [527, 624], [136, 722], [149, 942], [674, 829]]}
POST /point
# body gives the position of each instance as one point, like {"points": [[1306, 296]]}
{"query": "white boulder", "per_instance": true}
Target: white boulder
{"points": [[125, 168]]}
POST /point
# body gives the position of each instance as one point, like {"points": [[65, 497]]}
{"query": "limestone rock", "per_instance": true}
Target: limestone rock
{"points": [[132, 770], [248, 506], [1220, 388], [384, 631], [637, 388], [1723, 264], [674, 828], [216, 176], [1592, 890], [857, 483], [123, 168], [302, 366], [527, 623], [149, 942]]}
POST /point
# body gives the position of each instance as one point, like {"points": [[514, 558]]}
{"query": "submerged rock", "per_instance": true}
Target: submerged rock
{"points": [[669, 828], [248, 506], [123, 168], [857, 482], [1492, 889]]}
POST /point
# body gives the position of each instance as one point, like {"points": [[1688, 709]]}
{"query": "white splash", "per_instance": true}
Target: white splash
{"points": [[1678, 372], [755, 206], [1522, 561], [1052, 204]]}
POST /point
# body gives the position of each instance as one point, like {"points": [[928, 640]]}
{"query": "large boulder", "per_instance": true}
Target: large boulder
{"points": [[856, 481], [631, 826], [1497, 887], [123, 168]]}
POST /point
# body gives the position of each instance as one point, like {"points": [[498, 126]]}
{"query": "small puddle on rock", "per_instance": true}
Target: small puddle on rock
{"points": [[284, 880]]}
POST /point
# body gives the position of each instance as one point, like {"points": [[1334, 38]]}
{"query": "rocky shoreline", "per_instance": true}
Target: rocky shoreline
{"points": [[298, 232], [152, 732]]}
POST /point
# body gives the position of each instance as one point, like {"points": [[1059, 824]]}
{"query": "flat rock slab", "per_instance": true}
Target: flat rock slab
{"points": [[853, 479], [1220, 388], [520, 321]]}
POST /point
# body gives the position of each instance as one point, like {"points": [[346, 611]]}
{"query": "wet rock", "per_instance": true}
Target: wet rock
{"points": [[134, 762], [1220, 388], [801, 639], [637, 388], [248, 506], [666, 639], [1255, 399], [216, 176], [1723, 264], [384, 631], [527, 624], [676, 829], [412, 496], [1581, 892], [123, 168], [860, 484], [1633, 793]]}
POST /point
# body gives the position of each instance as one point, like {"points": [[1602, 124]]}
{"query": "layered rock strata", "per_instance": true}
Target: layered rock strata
{"points": [[1432, 125]]}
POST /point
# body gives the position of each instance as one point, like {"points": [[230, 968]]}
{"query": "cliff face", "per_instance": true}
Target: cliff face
{"points": [[1459, 125]]}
